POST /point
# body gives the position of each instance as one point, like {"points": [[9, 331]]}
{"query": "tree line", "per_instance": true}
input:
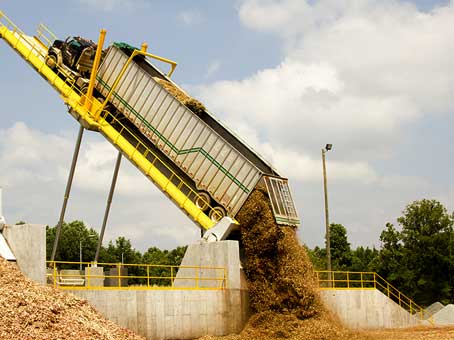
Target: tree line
{"points": [[76, 236], [416, 255]]}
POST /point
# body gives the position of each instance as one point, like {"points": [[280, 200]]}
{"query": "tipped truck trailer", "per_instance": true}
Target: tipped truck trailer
{"points": [[219, 166]]}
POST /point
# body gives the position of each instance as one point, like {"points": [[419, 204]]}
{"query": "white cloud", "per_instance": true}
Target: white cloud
{"points": [[25, 157], [34, 168], [355, 74], [190, 17]]}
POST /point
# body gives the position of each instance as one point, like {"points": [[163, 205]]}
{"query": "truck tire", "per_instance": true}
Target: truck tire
{"points": [[84, 89], [217, 213], [203, 200], [51, 61]]}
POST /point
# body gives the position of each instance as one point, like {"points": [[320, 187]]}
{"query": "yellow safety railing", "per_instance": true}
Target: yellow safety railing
{"points": [[126, 276], [45, 35], [190, 195], [338, 280], [85, 111]]}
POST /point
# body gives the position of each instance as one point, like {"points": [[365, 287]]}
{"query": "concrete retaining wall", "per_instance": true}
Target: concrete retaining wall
{"points": [[172, 314], [367, 309], [28, 244], [180, 313]]}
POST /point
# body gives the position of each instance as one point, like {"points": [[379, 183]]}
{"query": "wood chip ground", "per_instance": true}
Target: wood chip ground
{"points": [[29, 311]]}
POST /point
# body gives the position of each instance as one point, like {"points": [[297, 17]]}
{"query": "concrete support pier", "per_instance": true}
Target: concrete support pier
{"points": [[28, 244]]}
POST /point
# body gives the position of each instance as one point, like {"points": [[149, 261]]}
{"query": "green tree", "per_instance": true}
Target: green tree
{"points": [[159, 261], [341, 257], [176, 255], [419, 258], [364, 259], [123, 252], [391, 255], [72, 236], [120, 252], [318, 257]]}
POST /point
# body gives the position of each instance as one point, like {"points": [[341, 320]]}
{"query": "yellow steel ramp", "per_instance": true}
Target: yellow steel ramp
{"points": [[34, 50]]}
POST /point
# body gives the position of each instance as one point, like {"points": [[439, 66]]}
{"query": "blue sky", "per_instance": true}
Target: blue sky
{"points": [[372, 77]]}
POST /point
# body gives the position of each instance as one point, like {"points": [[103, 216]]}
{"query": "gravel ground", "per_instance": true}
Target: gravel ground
{"points": [[420, 333]]}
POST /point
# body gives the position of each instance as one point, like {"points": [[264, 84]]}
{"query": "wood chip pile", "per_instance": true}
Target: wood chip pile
{"points": [[29, 311], [192, 104], [281, 281]]}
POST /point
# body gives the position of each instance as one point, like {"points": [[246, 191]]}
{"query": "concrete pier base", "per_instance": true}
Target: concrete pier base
{"points": [[212, 254], [28, 244], [182, 313], [172, 314]]}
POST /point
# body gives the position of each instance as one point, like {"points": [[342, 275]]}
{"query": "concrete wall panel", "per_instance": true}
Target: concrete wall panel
{"points": [[28, 244], [172, 314], [367, 309]]}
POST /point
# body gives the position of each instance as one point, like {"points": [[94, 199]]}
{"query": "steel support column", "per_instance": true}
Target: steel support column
{"points": [[109, 203], [67, 191]]}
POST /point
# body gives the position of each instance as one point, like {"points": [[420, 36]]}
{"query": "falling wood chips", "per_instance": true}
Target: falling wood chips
{"points": [[29, 311], [282, 285]]}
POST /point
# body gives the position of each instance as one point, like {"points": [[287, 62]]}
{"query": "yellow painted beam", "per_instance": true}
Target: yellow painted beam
{"points": [[96, 62]]}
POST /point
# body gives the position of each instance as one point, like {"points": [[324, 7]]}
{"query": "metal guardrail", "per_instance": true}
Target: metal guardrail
{"points": [[335, 280], [126, 276]]}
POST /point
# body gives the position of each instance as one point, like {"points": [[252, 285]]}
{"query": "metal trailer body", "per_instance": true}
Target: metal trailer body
{"points": [[199, 145]]}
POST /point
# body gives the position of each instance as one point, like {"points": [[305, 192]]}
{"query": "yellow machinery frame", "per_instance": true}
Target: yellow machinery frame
{"points": [[91, 114]]}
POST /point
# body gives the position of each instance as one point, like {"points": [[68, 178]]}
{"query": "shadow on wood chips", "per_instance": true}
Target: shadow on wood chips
{"points": [[283, 293]]}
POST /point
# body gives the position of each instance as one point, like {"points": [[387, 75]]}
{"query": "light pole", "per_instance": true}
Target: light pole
{"points": [[328, 236]]}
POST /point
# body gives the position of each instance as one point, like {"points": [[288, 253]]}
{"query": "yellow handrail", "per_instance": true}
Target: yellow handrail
{"points": [[133, 276], [123, 70]]}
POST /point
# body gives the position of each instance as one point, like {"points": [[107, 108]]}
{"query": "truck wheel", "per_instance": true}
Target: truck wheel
{"points": [[51, 61], [203, 200], [217, 213], [84, 89]]}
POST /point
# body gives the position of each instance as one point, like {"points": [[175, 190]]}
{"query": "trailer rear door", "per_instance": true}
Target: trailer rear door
{"points": [[281, 201]]}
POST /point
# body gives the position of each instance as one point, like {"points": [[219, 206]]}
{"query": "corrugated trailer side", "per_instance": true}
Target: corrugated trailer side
{"points": [[213, 164]]}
